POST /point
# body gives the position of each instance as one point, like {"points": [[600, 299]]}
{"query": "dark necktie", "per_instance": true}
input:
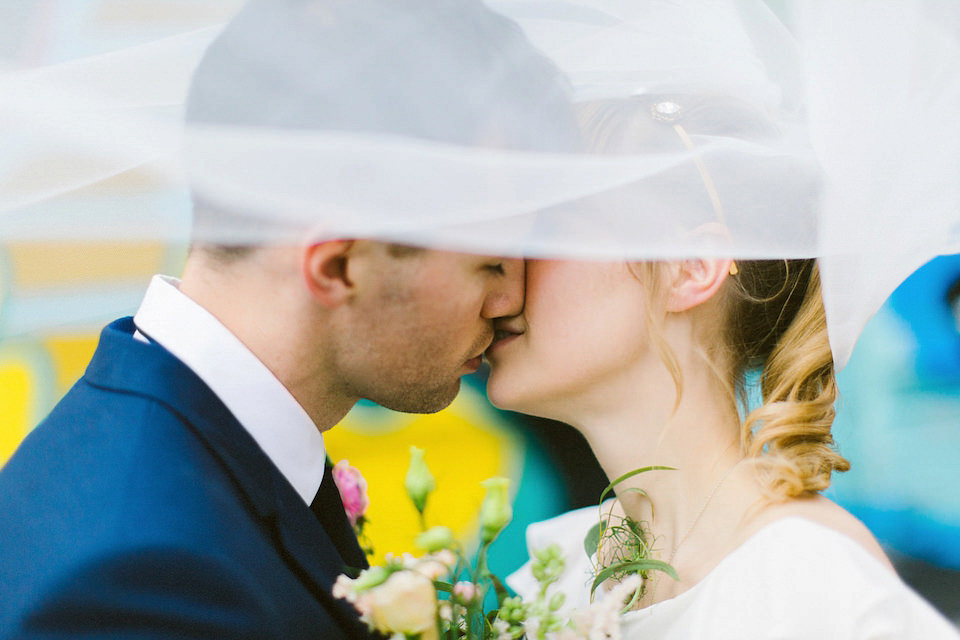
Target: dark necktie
{"points": [[328, 508]]}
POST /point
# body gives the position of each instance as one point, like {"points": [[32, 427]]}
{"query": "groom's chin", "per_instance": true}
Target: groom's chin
{"points": [[422, 399]]}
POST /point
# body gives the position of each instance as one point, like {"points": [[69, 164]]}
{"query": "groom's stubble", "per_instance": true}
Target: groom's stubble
{"points": [[410, 339]]}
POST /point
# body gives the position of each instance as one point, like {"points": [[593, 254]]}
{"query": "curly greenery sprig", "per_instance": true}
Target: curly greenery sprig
{"points": [[624, 546]]}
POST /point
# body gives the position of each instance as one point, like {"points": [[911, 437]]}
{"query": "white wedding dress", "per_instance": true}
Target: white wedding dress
{"points": [[792, 579]]}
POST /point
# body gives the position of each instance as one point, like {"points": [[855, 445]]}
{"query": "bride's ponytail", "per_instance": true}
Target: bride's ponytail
{"points": [[777, 321]]}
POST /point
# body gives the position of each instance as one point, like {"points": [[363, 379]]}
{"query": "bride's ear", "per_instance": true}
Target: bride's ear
{"points": [[693, 282]]}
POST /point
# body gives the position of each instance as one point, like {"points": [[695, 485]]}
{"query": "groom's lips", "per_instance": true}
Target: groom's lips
{"points": [[474, 363]]}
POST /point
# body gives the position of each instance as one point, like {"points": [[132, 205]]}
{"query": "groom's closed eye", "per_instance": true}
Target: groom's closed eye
{"points": [[496, 268]]}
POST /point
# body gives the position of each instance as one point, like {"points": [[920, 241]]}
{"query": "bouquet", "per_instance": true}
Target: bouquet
{"points": [[443, 595]]}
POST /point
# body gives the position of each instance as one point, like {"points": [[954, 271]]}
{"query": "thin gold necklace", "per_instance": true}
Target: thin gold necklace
{"points": [[703, 508]]}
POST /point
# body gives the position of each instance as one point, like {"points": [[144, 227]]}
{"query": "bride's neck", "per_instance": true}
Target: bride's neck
{"points": [[699, 439]]}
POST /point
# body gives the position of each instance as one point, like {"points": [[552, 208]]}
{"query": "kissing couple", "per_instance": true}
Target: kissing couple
{"points": [[608, 201]]}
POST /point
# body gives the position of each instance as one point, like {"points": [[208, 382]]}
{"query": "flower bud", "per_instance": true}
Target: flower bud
{"points": [[557, 601], [435, 539], [514, 610], [464, 592], [419, 481], [547, 564], [496, 511]]}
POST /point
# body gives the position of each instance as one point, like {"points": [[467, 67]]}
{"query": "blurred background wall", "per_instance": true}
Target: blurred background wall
{"points": [[898, 422]]}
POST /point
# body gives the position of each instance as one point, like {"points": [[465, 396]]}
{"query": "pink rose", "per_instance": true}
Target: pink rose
{"points": [[353, 491]]}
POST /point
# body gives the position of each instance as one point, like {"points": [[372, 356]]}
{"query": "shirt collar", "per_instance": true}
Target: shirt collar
{"points": [[251, 392]]}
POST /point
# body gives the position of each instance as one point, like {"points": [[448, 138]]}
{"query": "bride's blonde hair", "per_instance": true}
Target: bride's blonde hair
{"points": [[776, 325], [773, 323]]}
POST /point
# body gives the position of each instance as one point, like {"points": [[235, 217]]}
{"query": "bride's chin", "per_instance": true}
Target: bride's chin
{"points": [[500, 400], [512, 396], [504, 394]]}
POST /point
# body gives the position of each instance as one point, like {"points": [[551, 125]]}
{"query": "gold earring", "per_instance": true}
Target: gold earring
{"points": [[733, 269]]}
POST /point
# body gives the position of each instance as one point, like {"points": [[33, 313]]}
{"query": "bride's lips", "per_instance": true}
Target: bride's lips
{"points": [[502, 336]]}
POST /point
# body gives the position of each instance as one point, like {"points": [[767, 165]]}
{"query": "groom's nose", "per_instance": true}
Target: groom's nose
{"points": [[505, 297]]}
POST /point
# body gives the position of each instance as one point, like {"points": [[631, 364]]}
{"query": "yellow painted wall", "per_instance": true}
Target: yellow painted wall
{"points": [[16, 400]]}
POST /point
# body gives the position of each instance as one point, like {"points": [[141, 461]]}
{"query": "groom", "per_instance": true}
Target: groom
{"points": [[180, 488]]}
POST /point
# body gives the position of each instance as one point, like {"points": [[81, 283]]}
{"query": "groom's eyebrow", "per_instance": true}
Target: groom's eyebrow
{"points": [[397, 250]]}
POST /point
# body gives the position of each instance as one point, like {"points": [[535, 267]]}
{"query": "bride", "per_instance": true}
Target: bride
{"points": [[653, 363], [720, 369]]}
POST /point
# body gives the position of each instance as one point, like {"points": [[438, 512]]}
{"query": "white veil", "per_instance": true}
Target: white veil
{"points": [[851, 155]]}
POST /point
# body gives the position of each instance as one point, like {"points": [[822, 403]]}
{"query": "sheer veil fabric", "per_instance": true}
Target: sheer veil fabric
{"points": [[835, 138]]}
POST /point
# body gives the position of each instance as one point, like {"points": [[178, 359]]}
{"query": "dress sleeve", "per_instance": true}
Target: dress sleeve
{"points": [[826, 583]]}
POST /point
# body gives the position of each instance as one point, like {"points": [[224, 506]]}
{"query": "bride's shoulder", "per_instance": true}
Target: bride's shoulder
{"points": [[819, 517], [566, 530]]}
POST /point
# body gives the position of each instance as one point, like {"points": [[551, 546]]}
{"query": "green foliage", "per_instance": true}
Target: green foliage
{"points": [[591, 542], [630, 474], [622, 545]]}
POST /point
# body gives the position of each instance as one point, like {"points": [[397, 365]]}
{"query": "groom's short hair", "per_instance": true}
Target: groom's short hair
{"points": [[444, 70]]}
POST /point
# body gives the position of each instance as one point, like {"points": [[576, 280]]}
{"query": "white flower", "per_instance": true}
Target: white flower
{"points": [[446, 611], [531, 626], [602, 620], [433, 565], [447, 557], [406, 603], [343, 588], [430, 568], [502, 629]]}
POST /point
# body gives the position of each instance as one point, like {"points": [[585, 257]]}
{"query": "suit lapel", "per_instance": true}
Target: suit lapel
{"points": [[300, 534], [127, 365]]}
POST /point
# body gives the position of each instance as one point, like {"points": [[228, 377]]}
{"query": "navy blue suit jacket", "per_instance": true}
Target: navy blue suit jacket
{"points": [[141, 508]]}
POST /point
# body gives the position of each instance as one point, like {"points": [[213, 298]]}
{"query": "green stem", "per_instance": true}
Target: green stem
{"points": [[423, 521], [481, 571]]}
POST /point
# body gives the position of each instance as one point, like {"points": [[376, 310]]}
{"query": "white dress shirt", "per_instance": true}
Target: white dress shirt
{"points": [[251, 392]]}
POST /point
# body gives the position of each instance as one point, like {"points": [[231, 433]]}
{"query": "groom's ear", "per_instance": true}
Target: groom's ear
{"points": [[326, 271], [693, 282]]}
